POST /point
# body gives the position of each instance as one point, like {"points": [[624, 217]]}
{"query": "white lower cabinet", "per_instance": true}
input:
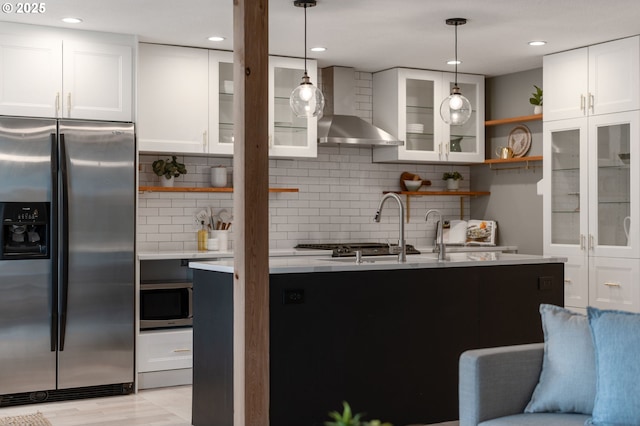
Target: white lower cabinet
{"points": [[576, 282], [613, 283], [165, 358]]}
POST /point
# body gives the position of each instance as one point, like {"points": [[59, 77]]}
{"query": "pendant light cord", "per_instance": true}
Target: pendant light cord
{"points": [[456, 52], [305, 39]]}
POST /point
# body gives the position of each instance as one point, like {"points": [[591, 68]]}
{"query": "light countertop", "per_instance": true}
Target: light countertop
{"points": [[211, 255], [305, 264]]}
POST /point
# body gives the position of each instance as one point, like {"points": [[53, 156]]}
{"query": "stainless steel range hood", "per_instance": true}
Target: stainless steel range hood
{"points": [[340, 125]]}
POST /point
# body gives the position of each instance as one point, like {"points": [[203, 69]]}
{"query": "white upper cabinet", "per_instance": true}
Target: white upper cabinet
{"points": [[65, 78], [97, 81], [599, 79], [290, 136], [406, 103], [31, 76], [173, 99], [186, 96], [221, 92]]}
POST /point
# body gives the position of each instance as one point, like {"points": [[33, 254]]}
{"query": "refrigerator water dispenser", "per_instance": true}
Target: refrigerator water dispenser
{"points": [[25, 230]]}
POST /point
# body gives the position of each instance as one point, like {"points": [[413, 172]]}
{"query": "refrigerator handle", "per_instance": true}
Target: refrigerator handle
{"points": [[53, 218], [64, 236]]}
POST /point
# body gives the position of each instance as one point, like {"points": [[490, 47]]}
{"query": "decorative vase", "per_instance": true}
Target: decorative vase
{"points": [[167, 183], [537, 109], [453, 184]]}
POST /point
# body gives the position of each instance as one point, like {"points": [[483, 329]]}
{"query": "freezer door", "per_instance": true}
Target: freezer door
{"points": [[27, 317], [28, 361], [97, 240]]}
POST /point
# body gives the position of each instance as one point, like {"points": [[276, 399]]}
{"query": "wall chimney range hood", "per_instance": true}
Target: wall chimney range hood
{"points": [[340, 125]]}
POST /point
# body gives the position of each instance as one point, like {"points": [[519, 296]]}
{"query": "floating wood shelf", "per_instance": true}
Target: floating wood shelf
{"points": [[460, 194], [202, 189], [519, 161], [521, 119]]}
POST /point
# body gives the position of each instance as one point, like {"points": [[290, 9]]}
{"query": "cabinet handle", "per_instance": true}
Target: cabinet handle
{"points": [[447, 150], [204, 140], [612, 284], [582, 106], [181, 350], [57, 104], [581, 241], [592, 102], [568, 281], [591, 242], [69, 104]]}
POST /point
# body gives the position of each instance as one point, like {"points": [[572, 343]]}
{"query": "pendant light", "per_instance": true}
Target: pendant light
{"points": [[455, 109], [306, 100]]}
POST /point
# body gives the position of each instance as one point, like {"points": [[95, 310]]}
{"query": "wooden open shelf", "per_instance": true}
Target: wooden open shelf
{"points": [[515, 163], [460, 194], [521, 119], [202, 189]]}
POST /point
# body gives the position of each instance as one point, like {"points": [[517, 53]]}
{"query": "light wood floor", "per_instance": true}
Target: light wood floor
{"points": [[149, 407]]}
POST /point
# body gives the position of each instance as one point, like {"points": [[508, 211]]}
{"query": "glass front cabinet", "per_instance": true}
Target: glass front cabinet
{"points": [[186, 96], [290, 136], [591, 194], [406, 103]]}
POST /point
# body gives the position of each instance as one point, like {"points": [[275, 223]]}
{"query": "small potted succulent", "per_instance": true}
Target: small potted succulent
{"points": [[453, 180], [536, 100], [169, 169], [347, 418]]}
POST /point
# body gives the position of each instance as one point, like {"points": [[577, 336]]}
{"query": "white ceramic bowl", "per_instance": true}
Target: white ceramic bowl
{"points": [[412, 185]]}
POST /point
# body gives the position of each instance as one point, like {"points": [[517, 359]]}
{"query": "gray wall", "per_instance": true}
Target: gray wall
{"points": [[513, 202]]}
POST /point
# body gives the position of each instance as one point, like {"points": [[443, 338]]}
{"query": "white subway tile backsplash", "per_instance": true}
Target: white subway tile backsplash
{"points": [[339, 192]]}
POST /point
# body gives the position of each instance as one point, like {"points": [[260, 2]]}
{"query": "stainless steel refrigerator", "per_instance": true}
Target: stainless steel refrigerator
{"points": [[67, 204]]}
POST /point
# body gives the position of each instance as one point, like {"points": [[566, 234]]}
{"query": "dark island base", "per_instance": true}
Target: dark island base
{"points": [[388, 342]]}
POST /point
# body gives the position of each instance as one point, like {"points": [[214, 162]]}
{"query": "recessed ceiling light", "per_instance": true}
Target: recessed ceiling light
{"points": [[72, 20], [318, 49], [454, 62], [537, 43], [216, 38]]}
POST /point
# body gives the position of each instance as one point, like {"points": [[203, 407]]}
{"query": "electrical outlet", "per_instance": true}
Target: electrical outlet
{"points": [[545, 283], [292, 296]]}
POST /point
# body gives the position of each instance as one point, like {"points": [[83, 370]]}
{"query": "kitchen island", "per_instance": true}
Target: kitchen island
{"points": [[382, 335]]}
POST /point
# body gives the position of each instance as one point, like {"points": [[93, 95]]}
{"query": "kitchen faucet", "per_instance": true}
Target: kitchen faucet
{"points": [[440, 247], [402, 247]]}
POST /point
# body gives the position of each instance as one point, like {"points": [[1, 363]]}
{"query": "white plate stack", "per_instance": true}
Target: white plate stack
{"points": [[415, 128]]}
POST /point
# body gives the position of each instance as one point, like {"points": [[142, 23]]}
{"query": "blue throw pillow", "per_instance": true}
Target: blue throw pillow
{"points": [[567, 381], [616, 338]]}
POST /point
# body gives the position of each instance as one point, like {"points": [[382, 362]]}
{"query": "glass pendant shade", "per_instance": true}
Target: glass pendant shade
{"points": [[307, 100], [455, 109]]}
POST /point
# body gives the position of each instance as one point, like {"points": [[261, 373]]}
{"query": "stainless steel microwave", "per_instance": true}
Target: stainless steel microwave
{"points": [[166, 305]]}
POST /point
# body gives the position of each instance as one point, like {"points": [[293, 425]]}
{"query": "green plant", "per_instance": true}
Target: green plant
{"points": [[169, 168], [536, 97], [452, 175], [347, 418]]}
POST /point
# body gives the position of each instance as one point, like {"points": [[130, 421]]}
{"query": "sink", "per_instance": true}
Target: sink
{"points": [[367, 260]]}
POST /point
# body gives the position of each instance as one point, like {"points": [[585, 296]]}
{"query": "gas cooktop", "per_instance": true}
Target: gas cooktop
{"points": [[349, 249]]}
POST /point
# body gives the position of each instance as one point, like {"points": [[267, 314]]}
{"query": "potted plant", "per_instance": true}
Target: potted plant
{"points": [[536, 100], [169, 168], [347, 418], [453, 180]]}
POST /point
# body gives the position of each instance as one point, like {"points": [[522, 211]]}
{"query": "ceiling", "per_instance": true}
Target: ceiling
{"points": [[371, 35]]}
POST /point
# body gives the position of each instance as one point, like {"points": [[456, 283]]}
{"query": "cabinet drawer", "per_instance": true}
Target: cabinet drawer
{"points": [[614, 283], [165, 350]]}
